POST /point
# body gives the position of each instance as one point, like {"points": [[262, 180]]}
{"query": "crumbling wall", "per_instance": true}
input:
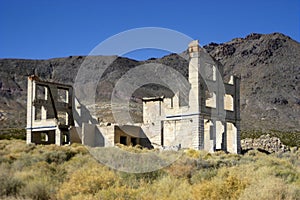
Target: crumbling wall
{"points": [[264, 142]]}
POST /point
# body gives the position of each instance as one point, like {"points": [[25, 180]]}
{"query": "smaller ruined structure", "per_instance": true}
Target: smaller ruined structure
{"points": [[49, 112], [264, 142]]}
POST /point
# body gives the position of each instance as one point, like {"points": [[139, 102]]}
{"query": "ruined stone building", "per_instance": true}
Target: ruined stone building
{"points": [[210, 120], [49, 112]]}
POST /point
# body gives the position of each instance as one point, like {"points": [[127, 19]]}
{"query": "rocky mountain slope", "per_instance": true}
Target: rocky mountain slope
{"points": [[269, 66]]}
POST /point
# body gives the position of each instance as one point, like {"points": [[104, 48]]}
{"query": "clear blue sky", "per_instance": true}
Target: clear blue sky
{"points": [[44, 29]]}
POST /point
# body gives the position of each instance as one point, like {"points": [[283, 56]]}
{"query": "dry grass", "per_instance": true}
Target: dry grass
{"points": [[70, 172]]}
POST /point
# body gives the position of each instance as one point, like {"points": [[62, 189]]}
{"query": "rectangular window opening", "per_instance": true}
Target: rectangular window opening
{"points": [[62, 95], [210, 99], [40, 92], [228, 102], [123, 140], [44, 137], [62, 117], [134, 141], [37, 113], [210, 72]]}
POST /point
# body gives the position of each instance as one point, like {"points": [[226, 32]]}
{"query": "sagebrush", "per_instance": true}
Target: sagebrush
{"points": [[70, 172]]}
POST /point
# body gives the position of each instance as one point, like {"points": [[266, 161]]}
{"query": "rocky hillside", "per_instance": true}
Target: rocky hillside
{"points": [[269, 66]]}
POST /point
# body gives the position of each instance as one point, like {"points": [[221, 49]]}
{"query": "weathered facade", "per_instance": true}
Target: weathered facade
{"points": [[49, 112], [210, 120]]}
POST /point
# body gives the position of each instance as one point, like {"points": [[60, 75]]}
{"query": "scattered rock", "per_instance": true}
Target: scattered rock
{"points": [[280, 101], [225, 50], [253, 36], [265, 142]]}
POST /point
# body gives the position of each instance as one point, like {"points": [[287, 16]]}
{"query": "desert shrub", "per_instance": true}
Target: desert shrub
{"points": [[25, 160], [278, 167], [53, 172], [79, 149], [182, 168], [12, 133], [270, 188], [206, 164], [17, 146], [131, 161], [87, 180], [293, 157], [56, 154], [38, 189], [134, 180], [222, 159], [228, 188], [204, 155], [77, 162], [216, 162], [13, 150], [285, 172], [81, 196], [288, 175], [166, 188], [4, 159], [57, 157], [4, 143], [117, 193], [40, 180], [9, 184], [192, 153], [247, 158], [203, 175]]}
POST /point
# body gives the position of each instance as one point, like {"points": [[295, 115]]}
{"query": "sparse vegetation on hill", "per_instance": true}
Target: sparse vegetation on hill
{"points": [[12, 133], [70, 172]]}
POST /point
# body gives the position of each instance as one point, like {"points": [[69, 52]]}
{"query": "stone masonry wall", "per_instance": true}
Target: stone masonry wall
{"points": [[265, 142]]}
